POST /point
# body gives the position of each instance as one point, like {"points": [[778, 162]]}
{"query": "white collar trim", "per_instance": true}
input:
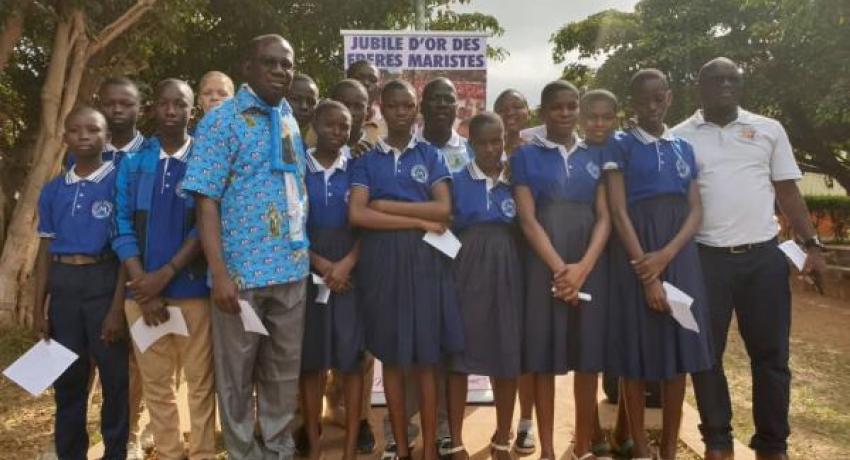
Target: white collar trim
{"points": [[71, 176], [645, 138], [180, 154], [385, 148], [478, 174], [134, 145], [314, 166], [578, 143]]}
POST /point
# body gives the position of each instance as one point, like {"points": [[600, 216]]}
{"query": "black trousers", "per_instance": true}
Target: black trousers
{"points": [[80, 297], [753, 285]]}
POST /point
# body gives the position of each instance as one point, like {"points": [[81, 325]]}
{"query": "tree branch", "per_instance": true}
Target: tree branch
{"points": [[120, 25], [13, 28]]}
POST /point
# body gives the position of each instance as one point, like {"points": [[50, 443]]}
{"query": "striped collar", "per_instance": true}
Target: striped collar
{"points": [[385, 148], [71, 176], [133, 146], [541, 141], [180, 155], [645, 138], [314, 166], [478, 174]]}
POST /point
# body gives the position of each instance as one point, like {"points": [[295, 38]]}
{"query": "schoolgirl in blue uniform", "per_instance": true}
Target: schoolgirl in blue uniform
{"points": [[405, 286], [656, 211], [333, 333], [489, 282], [80, 273], [564, 215]]}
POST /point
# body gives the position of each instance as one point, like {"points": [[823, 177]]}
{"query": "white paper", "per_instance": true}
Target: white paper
{"points": [[145, 335], [250, 321], [40, 366], [584, 297], [794, 253], [446, 242], [324, 293], [680, 307]]}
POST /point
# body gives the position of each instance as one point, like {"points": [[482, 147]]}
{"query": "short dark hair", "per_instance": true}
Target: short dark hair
{"points": [[118, 81], [327, 105], [173, 81], [348, 83], [304, 77], [596, 95], [500, 99], [426, 90], [553, 88], [644, 75], [718, 61], [481, 120], [255, 43], [397, 85], [85, 109], [357, 65]]}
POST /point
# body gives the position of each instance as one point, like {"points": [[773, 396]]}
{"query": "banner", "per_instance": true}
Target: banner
{"points": [[420, 56]]}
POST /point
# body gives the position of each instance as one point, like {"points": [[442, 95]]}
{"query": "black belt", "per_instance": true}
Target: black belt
{"points": [[82, 259], [740, 249]]}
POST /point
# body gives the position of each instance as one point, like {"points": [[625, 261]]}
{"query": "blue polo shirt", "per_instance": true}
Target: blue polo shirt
{"points": [[651, 166], [555, 173], [327, 191], [407, 175], [232, 162], [76, 212], [477, 199], [155, 217]]}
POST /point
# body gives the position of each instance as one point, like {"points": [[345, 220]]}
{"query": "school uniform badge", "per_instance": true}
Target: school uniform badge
{"points": [[682, 168], [592, 169], [748, 133], [419, 173], [508, 207], [101, 209], [178, 190]]}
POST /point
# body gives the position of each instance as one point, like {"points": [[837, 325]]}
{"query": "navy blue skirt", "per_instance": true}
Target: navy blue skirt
{"points": [[333, 332], [406, 292], [490, 294], [646, 344], [559, 337]]}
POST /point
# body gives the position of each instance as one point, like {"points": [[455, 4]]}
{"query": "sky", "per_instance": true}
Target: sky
{"points": [[528, 25]]}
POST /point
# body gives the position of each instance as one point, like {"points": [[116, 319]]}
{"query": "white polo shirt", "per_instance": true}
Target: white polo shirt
{"points": [[738, 164]]}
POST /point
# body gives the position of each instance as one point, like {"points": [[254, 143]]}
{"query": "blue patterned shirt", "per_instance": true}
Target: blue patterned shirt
{"points": [[231, 163]]}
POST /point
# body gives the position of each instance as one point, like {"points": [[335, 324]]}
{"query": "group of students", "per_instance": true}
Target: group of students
{"points": [[569, 231]]}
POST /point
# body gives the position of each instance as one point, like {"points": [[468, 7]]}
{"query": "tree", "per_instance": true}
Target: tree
{"points": [[794, 53]]}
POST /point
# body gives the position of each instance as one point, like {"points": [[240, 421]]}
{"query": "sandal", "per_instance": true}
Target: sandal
{"points": [[602, 450], [448, 453], [496, 447], [587, 455]]}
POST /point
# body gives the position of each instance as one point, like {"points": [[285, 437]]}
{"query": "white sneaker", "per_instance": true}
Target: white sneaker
{"points": [[134, 451]]}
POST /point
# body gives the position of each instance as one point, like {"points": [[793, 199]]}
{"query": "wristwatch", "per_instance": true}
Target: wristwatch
{"points": [[814, 242]]}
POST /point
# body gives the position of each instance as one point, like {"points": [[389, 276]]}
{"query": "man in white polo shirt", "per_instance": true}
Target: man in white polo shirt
{"points": [[746, 166]]}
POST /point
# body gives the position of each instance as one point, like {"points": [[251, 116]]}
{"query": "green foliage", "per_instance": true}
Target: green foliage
{"points": [[794, 53], [828, 202]]}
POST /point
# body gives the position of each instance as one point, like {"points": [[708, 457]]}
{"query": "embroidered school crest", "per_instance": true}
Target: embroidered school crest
{"points": [[419, 173], [508, 207], [101, 209], [682, 168], [592, 169], [748, 133], [347, 194], [178, 190]]}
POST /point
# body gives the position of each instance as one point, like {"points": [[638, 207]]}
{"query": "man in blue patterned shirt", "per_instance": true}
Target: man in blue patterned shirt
{"points": [[247, 174]]}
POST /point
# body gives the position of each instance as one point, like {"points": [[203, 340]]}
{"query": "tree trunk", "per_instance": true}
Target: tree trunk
{"points": [[71, 52], [13, 28], [802, 134]]}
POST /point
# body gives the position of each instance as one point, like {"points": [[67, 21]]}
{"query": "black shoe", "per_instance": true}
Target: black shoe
{"points": [[302, 442], [365, 438]]}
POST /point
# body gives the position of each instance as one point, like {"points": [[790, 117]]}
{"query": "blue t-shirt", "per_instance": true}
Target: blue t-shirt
{"points": [[76, 212], [328, 191], [555, 173], [651, 166], [232, 162], [400, 176], [476, 199]]}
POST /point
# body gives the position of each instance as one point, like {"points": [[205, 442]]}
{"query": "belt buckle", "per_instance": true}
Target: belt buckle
{"points": [[740, 249]]}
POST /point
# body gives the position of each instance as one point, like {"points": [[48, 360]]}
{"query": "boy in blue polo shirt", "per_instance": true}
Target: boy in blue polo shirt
{"points": [[157, 242], [80, 273]]}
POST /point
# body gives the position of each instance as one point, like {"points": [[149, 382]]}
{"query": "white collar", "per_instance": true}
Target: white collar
{"points": [[744, 118], [134, 145], [314, 166], [180, 154], [455, 140], [543, 142], [645, 138], [71, 176], [385, 148], [478, 174]]}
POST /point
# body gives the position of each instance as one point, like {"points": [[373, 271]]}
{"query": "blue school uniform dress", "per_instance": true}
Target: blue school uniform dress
{"points": [[647, 344], [405, 286], [333, 332], [558, 337], [154, 216], [488, 273], [75, 213]]}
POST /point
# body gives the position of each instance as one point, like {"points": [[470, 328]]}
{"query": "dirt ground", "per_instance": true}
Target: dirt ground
{"points": [[820, 364]]}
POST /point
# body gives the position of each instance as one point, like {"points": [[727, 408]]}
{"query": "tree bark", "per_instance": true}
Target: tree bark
{"points": [[13, 28], [71, 52]]}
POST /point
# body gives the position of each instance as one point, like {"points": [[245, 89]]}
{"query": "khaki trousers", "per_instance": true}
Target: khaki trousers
{"points": [[158, 366]]}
